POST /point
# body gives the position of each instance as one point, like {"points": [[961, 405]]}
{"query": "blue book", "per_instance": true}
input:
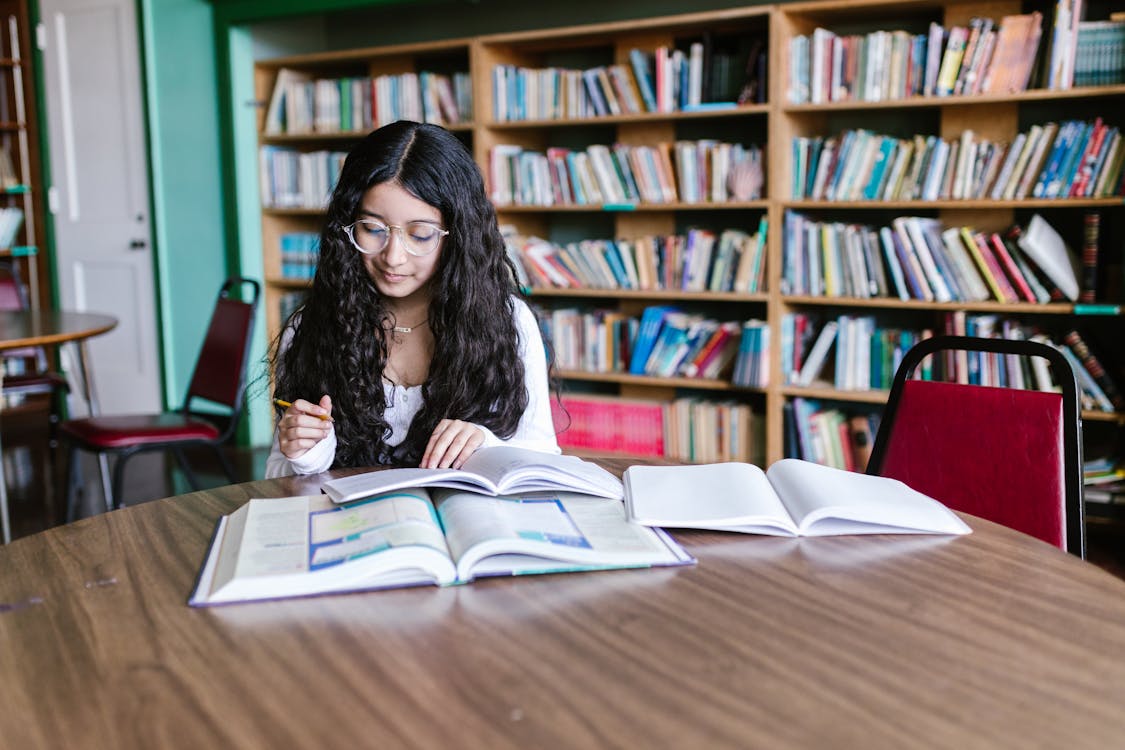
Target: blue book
{"points": [[652, 319], [642, 72], [673, 334], [1054, 160], [1060, 185], [882, 161], [613, 257]]}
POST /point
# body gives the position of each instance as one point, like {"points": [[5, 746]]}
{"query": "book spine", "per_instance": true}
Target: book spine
{"points": [[1095, 368], [1091, 230]]}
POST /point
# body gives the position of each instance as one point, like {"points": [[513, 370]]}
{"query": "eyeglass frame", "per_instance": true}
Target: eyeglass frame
{"points": [[407, 244]]}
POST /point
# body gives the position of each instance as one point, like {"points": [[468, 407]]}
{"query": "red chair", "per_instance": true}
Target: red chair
{"points": [[1008, 455], [219, 379]]}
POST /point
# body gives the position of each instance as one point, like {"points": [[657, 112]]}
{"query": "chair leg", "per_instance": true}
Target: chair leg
{"points": [[181, 459], [111, 496], [227, 466], [73, 484], [116, 494]]}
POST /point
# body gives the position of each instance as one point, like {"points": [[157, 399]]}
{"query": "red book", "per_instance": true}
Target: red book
{"points": [[993, 263], [1010, 268]]}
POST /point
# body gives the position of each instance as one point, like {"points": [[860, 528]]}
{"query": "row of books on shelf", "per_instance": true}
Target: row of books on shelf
{"points": [[663, 341], [1100, 56], [684, 429], [917, 257], [301, 103], [668, 172], [1074, 159], [732, 260], [11, 220], [854, 353], [300, 252], [1103, 480], [982, 56], [667, 79], [828, 435], [291, 179]]}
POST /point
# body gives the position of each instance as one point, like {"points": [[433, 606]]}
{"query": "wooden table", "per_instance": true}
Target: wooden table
{"points": [[985, 641], [22, 328]]}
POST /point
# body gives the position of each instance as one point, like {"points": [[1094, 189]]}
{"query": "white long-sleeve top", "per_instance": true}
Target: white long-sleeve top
{"points": [[536, 429]]}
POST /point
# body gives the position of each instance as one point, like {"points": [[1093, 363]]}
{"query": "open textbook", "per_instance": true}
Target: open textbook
{"points": [[499, 470], [793, 498], [302, 546]]}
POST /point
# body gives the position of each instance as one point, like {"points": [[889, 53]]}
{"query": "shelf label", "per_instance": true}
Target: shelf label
{"points": [[619, 206], [24, 251], [1097, 309]]}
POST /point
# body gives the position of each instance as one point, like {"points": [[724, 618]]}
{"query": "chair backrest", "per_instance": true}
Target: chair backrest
{"points": [[220, 370], [1008, 455]]}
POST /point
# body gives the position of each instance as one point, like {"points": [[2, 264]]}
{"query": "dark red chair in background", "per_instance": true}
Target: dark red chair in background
{"points": [[1007, 455], [219, 379]]}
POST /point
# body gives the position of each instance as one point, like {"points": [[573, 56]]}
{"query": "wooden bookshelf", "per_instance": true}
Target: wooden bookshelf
{"points": [[19, 137], [773, 124]]}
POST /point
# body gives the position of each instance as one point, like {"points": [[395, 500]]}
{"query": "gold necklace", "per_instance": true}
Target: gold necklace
{"points": [[408, 329]]}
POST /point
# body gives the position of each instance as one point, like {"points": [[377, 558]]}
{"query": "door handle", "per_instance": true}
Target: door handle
{"points": [[138, 244]]}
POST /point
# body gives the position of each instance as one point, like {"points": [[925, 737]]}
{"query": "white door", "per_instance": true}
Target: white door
{"points": [[99, 196]]}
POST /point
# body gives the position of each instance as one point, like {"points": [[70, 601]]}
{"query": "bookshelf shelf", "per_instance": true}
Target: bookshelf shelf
{"points": [[744, 110], [650, 381], [653, 294], [963, 100], [638, 207], [963, 205], [1002, 307], [771, 121]]}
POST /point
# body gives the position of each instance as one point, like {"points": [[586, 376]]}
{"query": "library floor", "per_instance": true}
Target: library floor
{"points": [[35, 487]]}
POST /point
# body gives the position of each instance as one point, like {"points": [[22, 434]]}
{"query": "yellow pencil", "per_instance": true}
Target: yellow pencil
{"points": [[286, 405]]}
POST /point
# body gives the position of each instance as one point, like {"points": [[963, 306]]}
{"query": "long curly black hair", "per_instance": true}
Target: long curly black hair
{"points": [[339, 344]]}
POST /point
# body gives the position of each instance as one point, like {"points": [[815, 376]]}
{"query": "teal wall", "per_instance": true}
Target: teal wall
{"points": [[187, 203]]}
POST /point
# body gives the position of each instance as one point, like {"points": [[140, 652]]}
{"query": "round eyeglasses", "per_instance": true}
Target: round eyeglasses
{"points": [[371, 236]]}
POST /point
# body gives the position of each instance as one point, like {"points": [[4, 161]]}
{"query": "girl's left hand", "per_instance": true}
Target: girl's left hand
{"points": [[451, 444]]}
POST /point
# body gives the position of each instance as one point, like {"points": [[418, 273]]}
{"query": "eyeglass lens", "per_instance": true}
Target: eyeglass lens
{"points": [[419, 237]]}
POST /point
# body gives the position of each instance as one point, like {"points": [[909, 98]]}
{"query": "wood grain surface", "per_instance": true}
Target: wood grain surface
{"points": [[985, 641]]}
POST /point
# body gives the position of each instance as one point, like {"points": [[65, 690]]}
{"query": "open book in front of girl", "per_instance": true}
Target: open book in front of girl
{"points": [[303, 546]]}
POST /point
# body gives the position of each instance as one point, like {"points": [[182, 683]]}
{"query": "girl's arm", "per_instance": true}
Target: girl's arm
{"points": [[314, 460]]}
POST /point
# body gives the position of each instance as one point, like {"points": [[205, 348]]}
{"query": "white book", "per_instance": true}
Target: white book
{"points": [[1050, 252], [818, 355], [302, 546], [792, 498], [498, 470], [287, 83], [912, 229]]}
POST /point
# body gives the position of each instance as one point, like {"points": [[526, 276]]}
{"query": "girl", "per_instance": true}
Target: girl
{"points": [[412, 347]]}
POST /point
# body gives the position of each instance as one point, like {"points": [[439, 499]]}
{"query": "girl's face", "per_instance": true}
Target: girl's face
{"points": [[397, 273]]}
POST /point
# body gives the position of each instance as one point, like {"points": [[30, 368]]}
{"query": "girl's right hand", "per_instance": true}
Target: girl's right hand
{"points": [[303, 425]]}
